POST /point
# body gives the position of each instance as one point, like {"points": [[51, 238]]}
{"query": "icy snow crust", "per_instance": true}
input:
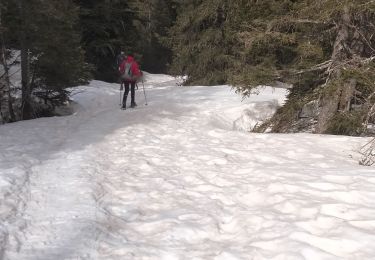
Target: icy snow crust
{"points": [[177, 180]]}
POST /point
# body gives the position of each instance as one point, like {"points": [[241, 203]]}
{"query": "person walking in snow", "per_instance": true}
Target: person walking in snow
{"points": [[119, 59], [130, 73]]}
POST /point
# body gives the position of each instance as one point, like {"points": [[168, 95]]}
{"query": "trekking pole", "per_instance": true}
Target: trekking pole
{"points": [[144, 92], [120, 104]]}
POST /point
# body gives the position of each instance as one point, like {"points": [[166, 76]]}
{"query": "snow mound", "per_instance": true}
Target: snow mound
{"points": [[255, 115]]}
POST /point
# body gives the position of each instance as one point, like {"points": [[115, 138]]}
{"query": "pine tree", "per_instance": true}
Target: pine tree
{"points": [[153, 18], [51, 57], [60, 61], [106, 28], [202, 41], [324, 48]]}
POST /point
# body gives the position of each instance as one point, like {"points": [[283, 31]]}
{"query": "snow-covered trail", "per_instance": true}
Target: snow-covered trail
{"points": [[174, 180]]}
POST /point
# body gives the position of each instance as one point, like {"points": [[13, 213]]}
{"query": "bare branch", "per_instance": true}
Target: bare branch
{"points": [[318, 67], [368, 153]]}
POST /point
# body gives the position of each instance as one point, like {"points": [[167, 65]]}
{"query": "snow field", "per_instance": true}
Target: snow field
{"points": [[177, 180]]}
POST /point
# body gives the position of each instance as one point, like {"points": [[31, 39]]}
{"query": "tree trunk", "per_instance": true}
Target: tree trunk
{"points": [[6, 110], [346, 46], [26, 109]]}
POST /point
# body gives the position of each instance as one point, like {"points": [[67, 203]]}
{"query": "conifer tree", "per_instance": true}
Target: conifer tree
{"points": [[106, 28], [324, 48], [51, 57], [202, 41], [60, 59], [153, 18]]}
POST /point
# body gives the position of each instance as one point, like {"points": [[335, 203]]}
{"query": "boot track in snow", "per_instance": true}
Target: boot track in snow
{"points": [[181, 178]]}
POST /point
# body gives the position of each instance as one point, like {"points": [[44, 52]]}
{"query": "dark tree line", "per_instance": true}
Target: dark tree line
{"points": [[61, 44], [50, 55]]}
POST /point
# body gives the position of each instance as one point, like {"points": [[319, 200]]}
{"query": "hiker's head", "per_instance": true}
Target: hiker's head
{"points": [[123, 55]]}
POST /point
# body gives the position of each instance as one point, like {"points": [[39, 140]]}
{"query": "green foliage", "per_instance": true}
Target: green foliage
{"points": [[202, 42], [364, 76], [153, 18], [244, 43], [49, 31], [271, 48], [60, 59], [286, 116], [135, 26], [346, 123], [309, 54], [249, 76], [274, 37], [106, 27]]}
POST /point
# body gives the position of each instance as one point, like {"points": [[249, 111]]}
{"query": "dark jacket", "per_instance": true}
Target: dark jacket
{"points": [[120, 58]]}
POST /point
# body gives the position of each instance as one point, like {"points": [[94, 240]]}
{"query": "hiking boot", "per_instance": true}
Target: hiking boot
{"points": [[133, 104]]}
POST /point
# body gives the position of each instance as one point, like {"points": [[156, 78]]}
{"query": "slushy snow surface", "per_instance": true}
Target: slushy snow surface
{"points": [[180, 178]]}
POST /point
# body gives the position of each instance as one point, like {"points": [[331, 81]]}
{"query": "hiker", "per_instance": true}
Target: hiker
{"points": [[130, 73], [120, 58]]}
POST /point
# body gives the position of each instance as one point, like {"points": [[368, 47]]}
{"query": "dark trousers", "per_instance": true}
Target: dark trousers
{"points": [[132, 92]]}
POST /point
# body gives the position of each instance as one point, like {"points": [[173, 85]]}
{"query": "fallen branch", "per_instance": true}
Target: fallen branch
{"points": [[368, 153]]}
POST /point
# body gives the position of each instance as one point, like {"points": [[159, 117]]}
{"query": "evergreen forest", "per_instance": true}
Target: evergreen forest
{"points": [[323, 50]]}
